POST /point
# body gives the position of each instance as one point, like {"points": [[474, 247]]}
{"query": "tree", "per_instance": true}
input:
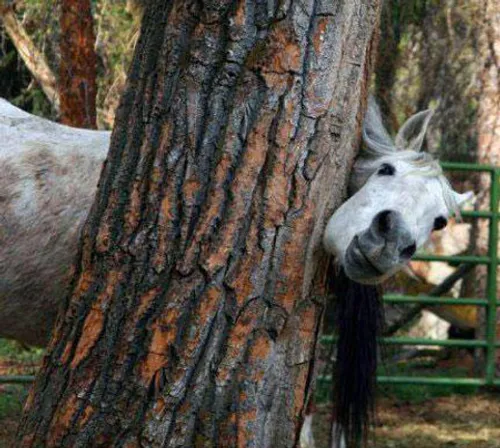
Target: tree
{"points": [[77, 71], [196, 302]]}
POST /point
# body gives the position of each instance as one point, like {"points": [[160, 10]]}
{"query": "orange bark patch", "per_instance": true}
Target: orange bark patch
{"points": [[145, 302], [290, 282], [132, 216], [94, 321], [260, 347], [165, 219], [91, 331], [299, 391], [246, 427], [238, 341], [243, 185], [307, 327], [67, 352], [85, 415], [203, 313], [283, 54], [102, 239], [62, 420], [259, 351], [240, 16], [319, 35], [286, 126], [84, 283], [164, 332]]}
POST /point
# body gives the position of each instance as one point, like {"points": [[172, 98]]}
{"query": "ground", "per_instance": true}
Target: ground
{"points": [[408, 416], [456, 421]]}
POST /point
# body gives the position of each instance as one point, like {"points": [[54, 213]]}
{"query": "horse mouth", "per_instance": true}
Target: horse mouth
{"points": [[359, 264]]}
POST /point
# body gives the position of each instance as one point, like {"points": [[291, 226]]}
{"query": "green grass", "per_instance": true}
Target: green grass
{"points": [[12, 398], [412, 393], [418, 393], [12, 351]]}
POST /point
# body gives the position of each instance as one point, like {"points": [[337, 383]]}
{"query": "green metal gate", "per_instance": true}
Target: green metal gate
{"points": [[490, 343]]}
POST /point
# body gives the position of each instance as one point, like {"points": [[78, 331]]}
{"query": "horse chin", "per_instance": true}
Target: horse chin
{"points": [[359, 268]]}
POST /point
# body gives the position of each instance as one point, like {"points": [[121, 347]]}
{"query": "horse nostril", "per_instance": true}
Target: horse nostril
{"points": [[384, 221], [408, 251]]}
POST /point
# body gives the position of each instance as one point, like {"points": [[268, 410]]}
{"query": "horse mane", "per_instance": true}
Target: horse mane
{"points": [[380, 148], [359, 320]]}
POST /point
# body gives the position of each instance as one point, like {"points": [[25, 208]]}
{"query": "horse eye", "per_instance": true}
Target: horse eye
{"points": [[386, 170], [440, 223]]}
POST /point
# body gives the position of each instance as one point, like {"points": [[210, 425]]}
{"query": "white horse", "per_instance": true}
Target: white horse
{"points": [[399, 196], [47, 185]]}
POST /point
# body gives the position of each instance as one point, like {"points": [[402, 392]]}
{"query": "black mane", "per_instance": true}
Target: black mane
{"points": [[359, 321]]}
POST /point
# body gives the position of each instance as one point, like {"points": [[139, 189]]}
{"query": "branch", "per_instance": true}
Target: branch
{"points": [[35, 60]]}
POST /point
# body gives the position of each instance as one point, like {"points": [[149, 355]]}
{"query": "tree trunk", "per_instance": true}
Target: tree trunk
{"points": [[196, 304], [77, 72]]}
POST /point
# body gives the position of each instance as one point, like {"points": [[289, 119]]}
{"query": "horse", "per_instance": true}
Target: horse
{"points": [[49, 178], [398, 197]]}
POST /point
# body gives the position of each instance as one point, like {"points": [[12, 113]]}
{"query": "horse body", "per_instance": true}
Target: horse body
{"points": [[47, 185]]}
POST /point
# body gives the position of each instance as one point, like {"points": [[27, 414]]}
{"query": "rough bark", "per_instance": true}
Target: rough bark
{"points": [[195, 306], [33, 58], [77, 72]]}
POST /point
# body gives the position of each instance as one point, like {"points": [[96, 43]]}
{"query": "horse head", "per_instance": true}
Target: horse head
{"points": [[399, 196]]}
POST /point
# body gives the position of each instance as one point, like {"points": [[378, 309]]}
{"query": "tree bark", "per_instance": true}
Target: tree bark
{"points": [[196, 303], [77, 73], [34, 59]]}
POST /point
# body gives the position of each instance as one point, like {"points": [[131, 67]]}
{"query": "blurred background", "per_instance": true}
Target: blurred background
{"points": [[67, 61]]}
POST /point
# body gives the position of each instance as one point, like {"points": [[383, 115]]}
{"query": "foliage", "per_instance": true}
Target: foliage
{"points": [[116, 33], [13, 352], [435, 64]]}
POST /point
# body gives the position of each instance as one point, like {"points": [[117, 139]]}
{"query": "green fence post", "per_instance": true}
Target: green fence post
{"points": [[492, 279]]}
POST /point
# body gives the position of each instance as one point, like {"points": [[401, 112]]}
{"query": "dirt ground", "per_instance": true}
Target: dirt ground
{"points": [[471, 421], [461, 421]]}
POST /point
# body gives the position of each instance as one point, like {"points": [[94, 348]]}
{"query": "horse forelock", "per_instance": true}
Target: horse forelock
{"points": [[422, 164]]}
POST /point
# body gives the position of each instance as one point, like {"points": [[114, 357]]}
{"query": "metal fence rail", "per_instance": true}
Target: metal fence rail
{"points": [[490, 344]]}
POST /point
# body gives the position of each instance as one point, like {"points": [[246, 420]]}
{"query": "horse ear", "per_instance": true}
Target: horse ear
{"points": [[412, 133], [375, 135], [462, 198]]}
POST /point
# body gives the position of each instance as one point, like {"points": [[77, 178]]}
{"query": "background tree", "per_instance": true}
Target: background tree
{"points": [[77, 70], [196, 302]]}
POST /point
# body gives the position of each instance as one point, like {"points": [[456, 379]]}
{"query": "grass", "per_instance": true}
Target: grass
{"points": [[13, 353], [14, 360], [418, 393]]}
